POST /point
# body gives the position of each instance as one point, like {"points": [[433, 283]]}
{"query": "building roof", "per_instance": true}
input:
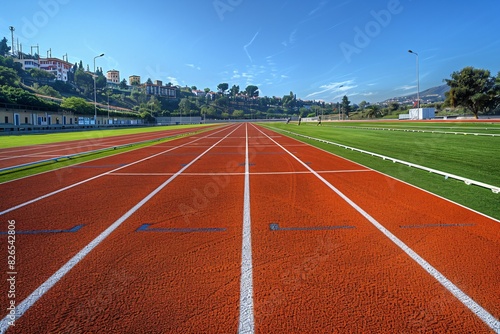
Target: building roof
{"points": [[57, 60]]}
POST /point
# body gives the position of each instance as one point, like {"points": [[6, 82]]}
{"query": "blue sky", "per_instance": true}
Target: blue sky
{"points": [[319, 49]]}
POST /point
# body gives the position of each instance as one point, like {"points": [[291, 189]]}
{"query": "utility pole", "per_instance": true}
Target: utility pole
{"points": [[12, 50], [418, 80]]}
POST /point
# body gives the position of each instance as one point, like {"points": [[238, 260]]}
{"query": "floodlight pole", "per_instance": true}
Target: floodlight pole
{"points": [[418, 80], [95, 92], [338, 106]]}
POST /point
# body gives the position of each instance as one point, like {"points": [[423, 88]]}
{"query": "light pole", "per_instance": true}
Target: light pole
{"points": [[418, 81], [108, 91], [12, 29], [95, 92], [338, 105]]}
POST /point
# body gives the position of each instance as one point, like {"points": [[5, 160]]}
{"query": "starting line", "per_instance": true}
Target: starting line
{"points": [[145, 228]]}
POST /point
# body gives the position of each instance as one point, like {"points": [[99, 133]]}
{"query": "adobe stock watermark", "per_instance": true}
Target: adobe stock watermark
{"points": [[372, 29], [223, 6], [48, 9], [11, 272]]}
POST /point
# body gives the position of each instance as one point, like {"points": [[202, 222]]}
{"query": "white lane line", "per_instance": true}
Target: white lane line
{"points": [[472, 305], [93, 178], [52, 280], [246, 323]]}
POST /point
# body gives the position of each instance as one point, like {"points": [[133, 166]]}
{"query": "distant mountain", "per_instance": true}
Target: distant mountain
{"points": [[434, 94]]}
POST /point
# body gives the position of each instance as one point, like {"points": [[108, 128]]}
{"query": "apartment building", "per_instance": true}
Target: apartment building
{"points": [[113, 76], [134, 80], [59, 68]]}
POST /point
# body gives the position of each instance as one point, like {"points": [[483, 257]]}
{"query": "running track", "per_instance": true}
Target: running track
{"points": [[243, 230], [16, 156]]}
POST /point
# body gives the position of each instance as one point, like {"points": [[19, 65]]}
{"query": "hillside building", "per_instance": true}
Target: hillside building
{"points": [[113, 76], [59, 68], [134, 80]]}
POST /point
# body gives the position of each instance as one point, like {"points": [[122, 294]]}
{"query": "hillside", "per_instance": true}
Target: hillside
{"points": [[431, 95]]}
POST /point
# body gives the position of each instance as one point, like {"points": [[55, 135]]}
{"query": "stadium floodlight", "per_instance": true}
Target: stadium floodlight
{"points": [[418, 80], [95, 92]]}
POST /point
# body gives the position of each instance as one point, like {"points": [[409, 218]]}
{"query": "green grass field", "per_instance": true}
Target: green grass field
{"points": [[470, 127], [48, 138], [470, 156]]}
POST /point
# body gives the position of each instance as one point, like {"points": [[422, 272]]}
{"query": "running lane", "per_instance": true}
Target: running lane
{"points": [[173, 264], [321, 266]]}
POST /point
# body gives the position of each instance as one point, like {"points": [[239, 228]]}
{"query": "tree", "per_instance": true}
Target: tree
{"points": [[373, 111], [472, 88], [235, 90], [100, 80], [123, 84], [450, 100], [289, 101], [147, 117], [49, 91], [8, 77], [84, 81], [222, 102], [209, 111], [345, 105], [4, 48], [393, 106], [20, 96], [149, 81], [252, 91], [41, 75], [238, 114], [222, 87], [185, 106], [78, 105], [154, 104], [10, 63]]}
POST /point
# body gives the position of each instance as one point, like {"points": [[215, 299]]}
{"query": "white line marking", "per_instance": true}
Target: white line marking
{"points": [[92, 178], [253, 173], [474, 307], [246, 323], [52, 280]]}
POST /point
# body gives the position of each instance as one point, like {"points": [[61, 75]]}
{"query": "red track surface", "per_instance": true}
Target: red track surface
{"points": [[327, 268], [15, 156]]}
